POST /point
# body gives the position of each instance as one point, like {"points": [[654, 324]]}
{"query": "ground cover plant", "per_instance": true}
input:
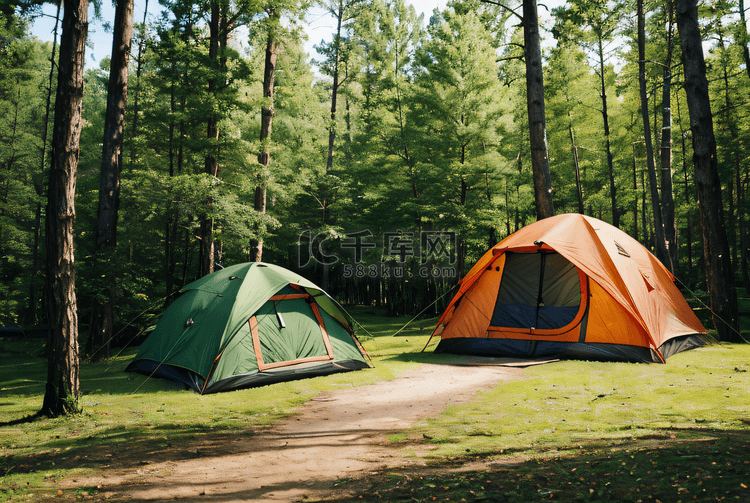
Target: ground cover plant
{"points": [[710, 470], [571, 431], [591, 431]]}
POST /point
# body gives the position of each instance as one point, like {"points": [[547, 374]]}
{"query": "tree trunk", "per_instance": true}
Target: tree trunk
{"points": [[517, 222], [660, 249], [335, 88], [635, 193], [62, 388], [644, 218], [109, 177], [407, 158], [672, 248], [688, 202], [607, 143], [743, 230], [743, 38], [176, 155], [170, 222], [212, 134], [535, 103], [139, 67], [734, 187], [266, 126], [492, 237], [32, 317], [667, 197], [731, 222], [579, 186], [718, 267]]}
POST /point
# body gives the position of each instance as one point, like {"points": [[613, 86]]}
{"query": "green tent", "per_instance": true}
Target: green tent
{"points": [[249, 325]]}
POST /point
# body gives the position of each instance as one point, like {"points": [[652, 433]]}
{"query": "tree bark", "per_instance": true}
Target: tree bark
{"points": [[63, 385], [607, 142], [32, 316], [535, 103], [492, 236], [176, 154], [731, 126], [742, 228], [266, 126], [661, 251], [335, 88], [718, 267], [743, 39], [138, 69], [735, 220], [688, 202], [635, 193], [212, 134], [576, 164], [667, 197], [644, 218], [102, 329]]}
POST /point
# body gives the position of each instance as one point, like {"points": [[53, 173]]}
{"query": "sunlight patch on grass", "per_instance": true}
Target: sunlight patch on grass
{"points": [[583, 402]]}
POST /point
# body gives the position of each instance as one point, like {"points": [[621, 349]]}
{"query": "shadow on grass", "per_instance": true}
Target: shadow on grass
{"points": [[669, 466], [23, 420], [26, 377], [122, 446], [675, 465]]}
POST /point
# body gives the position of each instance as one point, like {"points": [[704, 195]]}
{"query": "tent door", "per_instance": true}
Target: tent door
{"points": [[281, 330], [541, 292]]}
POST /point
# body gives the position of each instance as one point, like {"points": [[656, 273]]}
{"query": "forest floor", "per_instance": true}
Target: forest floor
{"points": [[321, 452]]}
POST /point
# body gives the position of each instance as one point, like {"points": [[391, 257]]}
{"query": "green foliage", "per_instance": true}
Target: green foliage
{"points": [[23, 69], [432, 134], [454, 115], [573, 123]]}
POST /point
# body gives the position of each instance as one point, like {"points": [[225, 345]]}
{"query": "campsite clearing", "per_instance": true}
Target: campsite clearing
{"points": [[336, 435], [532, 432]]}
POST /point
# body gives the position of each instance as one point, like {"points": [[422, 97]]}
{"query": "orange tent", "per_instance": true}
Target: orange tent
{"points": [[569, 286]]}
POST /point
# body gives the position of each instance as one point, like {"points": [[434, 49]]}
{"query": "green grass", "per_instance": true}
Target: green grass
{"points": [[572, 431], [706, 471], [590, 431], [124, 410], [557, 406]]}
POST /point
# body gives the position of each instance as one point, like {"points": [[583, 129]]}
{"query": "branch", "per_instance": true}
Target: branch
{"points": [[504, 7], [509, 58], [726, 109], [341, 84], [516, 44], [508, 83], [652, 61]]}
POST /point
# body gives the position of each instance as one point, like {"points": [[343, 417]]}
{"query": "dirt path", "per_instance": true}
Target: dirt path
{"points": [[335, 435]]}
